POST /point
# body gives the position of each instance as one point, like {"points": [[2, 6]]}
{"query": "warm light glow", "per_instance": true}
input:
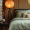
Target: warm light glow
{"points": [[29, 1], [9, 4]]}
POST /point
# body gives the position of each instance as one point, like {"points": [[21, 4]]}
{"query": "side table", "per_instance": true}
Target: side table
{"points": [[3, 24]]}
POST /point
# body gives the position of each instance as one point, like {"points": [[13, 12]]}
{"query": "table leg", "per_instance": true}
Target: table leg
{"points": [[5, 27], [2, 27]]}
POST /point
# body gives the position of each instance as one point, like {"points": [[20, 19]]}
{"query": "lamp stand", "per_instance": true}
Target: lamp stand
{"points": [[9, 15]]}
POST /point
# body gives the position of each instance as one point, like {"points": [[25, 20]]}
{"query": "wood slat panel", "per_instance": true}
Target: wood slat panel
{"points": [[16, 4], [29, 6], [26, 7], [13, 12], [24, 3], [6, 16], [20, 4]]}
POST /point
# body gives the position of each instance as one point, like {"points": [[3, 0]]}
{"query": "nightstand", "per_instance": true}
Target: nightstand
{"points": [[3, 24]]}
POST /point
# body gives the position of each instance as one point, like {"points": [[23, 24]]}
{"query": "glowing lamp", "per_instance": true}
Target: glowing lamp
{"points": [[9, 4]]}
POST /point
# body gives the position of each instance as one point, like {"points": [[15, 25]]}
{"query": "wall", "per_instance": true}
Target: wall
{"points": [[22, 4], [4, 7]]}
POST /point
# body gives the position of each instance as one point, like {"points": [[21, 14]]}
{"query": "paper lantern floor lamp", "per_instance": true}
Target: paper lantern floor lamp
{"points": [[9, 4]]}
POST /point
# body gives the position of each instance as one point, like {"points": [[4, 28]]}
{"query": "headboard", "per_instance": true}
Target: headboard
{"points": [[22, 11]]}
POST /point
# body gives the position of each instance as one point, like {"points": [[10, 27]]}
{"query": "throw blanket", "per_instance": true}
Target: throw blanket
{"points": [[18, 24]]}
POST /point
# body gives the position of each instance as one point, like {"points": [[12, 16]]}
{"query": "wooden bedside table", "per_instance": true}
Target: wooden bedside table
{"points": [[3, 24]]}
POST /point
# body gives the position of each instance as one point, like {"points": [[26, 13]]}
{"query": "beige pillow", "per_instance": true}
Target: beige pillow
{"points": [[28, 15], [24, 15]]}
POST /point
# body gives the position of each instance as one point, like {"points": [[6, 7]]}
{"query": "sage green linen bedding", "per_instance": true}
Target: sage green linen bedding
{"points": [[20, 24]]}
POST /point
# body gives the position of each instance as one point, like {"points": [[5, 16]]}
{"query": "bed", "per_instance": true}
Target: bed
{"points": [[19, 22]]}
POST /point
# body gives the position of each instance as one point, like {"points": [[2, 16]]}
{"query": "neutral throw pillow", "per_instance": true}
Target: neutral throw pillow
{"points": [[24, 15], [28, 15]]}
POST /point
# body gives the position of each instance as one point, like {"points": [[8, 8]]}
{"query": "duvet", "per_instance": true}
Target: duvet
{"points": [[20, 24]]}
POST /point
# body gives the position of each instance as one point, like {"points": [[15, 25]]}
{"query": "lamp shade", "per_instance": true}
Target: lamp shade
{"points": [[9, 4]]}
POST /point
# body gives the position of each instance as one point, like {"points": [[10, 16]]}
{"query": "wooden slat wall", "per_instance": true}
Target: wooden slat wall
{"points": [[23, 4], [6, 16], [20, 4], [29, 6], [16, 4], [13, 12], [26, 4]]}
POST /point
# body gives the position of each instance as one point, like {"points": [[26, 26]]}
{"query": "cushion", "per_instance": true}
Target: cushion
{"points": [[24, 15], [28, 15]]}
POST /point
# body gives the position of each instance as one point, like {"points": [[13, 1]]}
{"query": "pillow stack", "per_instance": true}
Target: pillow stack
{"points": [[26, 15]]}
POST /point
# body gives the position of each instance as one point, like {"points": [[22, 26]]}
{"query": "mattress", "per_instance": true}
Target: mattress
{"points": [[20, 24]]}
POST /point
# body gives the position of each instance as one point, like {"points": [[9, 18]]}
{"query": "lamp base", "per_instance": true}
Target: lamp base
{"points": [[9, 8], [9, 15]]}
